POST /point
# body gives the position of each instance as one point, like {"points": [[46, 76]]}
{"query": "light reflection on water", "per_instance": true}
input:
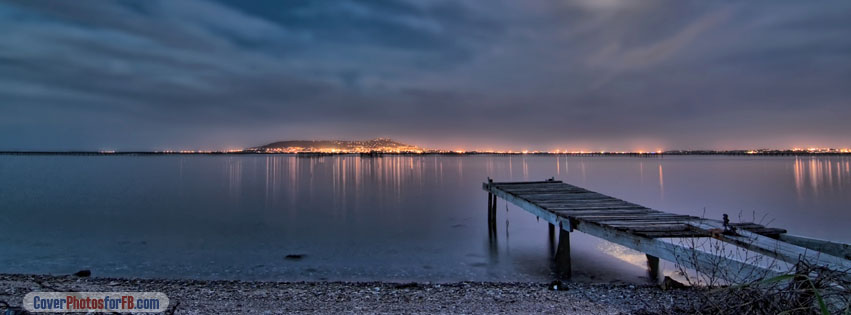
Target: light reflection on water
{"points": [[388, 218], [813, 175]]}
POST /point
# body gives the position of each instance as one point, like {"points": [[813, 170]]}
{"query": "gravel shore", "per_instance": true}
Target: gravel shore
{"points": [[217, 297]]}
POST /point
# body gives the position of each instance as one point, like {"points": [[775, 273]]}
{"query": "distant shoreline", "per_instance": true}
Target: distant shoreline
{"points": [[378, 154]]}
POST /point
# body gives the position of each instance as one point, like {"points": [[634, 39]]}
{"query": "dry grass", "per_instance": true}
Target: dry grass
{"points": [[804, 289]]}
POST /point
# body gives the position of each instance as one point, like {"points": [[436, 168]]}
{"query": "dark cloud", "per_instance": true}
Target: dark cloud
{"points": [[588, 74]]}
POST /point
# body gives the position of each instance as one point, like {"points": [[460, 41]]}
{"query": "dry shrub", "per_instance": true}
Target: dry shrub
{"points": [[810, 290]]}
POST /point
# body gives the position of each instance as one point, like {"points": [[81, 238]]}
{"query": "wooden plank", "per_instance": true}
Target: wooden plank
{"points": [[651, 214], [582, 199], [554, 193], [544, 191], [641, 223], [580, 214], [558, 207], [747, 225], [562, 206], [638, 218], [607, 212], [569, 202], [571, 197], [658, 228], [598, 202], [554, 190], [769, 232], [774, 248], [598, 211], [831, 248], [573, 203], [528, 183], [561, 209], [543, 187], [673, 234], [531, 186], [759, 229]]}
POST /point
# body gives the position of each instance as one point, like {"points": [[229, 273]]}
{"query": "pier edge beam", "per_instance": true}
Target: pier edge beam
{"points": [[563, 267], [552, 231]]}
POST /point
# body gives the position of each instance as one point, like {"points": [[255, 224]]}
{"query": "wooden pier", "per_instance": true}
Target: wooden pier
{"points": [[650, 231]]}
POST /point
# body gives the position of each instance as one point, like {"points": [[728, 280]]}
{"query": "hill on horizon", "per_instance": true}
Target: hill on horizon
{"points": [[377, 144]]}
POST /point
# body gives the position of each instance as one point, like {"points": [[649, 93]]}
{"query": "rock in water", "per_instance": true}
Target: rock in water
{"points": [[557, 285], [294, 256], [83, 273], [670, 284], [408, 285]]}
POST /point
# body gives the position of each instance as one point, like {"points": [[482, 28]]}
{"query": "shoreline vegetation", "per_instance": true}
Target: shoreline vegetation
{"points": [[223, 296]]}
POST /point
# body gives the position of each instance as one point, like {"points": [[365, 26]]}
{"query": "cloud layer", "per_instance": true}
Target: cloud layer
{"points": [[614, 75]]}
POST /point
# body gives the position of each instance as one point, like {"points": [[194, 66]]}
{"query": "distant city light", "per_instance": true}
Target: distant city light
{"points": [[364, 148]]}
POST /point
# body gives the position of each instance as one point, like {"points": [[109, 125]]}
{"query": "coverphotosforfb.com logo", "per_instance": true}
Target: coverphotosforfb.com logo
{"points": [[124, 302]]}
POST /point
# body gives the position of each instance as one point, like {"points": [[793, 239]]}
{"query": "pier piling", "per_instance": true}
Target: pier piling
{"points": [[563, 254], [552, 231], [653, 265]]}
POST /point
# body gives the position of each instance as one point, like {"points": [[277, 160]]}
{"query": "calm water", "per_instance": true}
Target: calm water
{"points": [[394, 218]]}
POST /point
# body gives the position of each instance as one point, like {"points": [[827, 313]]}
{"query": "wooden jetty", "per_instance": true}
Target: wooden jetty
{"points": [[650, 231]]}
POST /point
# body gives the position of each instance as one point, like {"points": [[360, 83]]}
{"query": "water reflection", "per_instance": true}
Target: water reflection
{"points": [[661, 183], [816, 176], [234, 176], [558, 165], [293, 177], [384, 218], [624, 254]]}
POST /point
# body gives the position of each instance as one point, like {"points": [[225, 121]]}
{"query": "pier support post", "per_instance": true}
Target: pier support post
{"points": [[493, 209], [653, 264], [492, 215], [563, 254], [551, 237], [551, 234], [490, 206]]}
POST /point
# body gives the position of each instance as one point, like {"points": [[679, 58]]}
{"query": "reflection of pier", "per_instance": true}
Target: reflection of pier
{"points": [[572, 208]]}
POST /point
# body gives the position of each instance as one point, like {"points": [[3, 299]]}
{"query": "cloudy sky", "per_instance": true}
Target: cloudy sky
{"points": [[490, 74]]}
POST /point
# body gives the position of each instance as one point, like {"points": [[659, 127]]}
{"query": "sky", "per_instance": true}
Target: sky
{"points": [[496, 74]]}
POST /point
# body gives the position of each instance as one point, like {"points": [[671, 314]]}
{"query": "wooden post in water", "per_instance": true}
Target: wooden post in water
{"points": [[551, 237], [493, 210], [490, 206], [653, 263], [552, 231], [563, 254]]}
